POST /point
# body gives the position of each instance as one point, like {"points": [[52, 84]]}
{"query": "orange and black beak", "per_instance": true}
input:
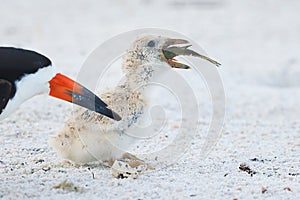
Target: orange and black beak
{"points": [[66, 89]]}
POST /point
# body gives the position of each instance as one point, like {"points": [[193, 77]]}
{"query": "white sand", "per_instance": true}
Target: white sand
{"points": [[256, 41]]}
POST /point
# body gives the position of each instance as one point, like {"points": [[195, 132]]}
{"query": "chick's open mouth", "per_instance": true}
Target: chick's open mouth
{"points": [[180, 47]]}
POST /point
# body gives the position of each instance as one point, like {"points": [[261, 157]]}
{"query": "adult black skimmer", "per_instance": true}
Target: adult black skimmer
{"points": [[87, 137], [25, 73]]}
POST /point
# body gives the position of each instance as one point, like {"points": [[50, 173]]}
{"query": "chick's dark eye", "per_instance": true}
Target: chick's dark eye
{"points": [[151, 43]]}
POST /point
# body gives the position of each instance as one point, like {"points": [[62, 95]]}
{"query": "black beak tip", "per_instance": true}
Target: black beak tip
{"points": [[116, 117], [103, 110]]}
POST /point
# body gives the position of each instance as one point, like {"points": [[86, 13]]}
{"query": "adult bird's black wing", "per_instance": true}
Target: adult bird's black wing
{"points": [[5, 93]]}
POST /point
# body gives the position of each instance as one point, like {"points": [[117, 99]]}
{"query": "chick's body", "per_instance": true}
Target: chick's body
{"points": [[88, 136]]}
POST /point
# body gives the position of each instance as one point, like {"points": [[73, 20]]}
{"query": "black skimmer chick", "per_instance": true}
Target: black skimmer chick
{"points": [[88, 137], [25, 73]]}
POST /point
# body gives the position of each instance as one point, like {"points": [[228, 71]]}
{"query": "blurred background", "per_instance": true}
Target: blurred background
{"points": [[248, 34]]}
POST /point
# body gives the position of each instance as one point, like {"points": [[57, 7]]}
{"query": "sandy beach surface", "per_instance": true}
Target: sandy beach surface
{"points": [[258, 153]]}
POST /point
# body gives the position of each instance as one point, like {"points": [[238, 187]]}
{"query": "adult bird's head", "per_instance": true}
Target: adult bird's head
{"points": [[25, 73]]}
